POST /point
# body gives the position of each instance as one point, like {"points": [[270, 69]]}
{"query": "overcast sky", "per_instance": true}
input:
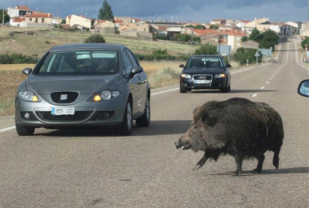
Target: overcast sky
{"points": [[201, 11]]}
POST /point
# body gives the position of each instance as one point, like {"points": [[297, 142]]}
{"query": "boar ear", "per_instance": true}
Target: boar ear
{"points": [[195, 110], [208, 119]]}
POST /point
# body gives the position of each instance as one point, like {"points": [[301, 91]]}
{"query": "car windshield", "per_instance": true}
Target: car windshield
{"points": [[79, 62], [205, 62]]}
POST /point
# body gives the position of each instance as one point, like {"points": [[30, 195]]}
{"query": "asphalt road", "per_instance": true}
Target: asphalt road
{"points": [[93, 168]]}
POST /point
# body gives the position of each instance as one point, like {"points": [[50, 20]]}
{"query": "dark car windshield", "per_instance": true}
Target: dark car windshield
{"points": [[205, 62], [80, 62]]}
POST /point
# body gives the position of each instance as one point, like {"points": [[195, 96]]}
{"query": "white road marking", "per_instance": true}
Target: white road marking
{"points": [[262, 88], [254, 95], [270, 78], [158, 93], [296, 55], [7, 129], [267, 82]]}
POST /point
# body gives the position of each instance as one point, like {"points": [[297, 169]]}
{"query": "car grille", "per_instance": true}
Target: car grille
{"points": [[64, 97], [203, 77], [77, 117]]}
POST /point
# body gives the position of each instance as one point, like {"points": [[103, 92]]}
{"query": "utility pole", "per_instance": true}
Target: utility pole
{"points": [[3, 17], [192, 42], [58, 6]]}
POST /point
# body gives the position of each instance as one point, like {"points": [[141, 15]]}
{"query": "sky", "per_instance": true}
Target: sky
{"points": [[200, 11]]}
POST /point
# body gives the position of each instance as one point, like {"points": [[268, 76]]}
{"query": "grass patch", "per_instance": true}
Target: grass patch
{"points": [[164, 77]]}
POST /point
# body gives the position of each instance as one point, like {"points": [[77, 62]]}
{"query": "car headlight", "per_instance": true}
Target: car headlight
{"points": [[219, 76], [28, 96], [186, 76], [106, 95]]}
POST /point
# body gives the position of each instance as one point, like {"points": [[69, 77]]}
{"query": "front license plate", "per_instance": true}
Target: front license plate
{"points": [[202, 81], [62, 110]]}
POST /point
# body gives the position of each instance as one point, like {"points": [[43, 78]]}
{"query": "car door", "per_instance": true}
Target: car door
{"points": [[142, 84], [133, 81]]}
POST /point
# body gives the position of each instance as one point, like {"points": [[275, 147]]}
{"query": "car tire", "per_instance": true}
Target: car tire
{"points": [[145, 119], [24, 131], [229, 88], [182, 90], [126, 125]]}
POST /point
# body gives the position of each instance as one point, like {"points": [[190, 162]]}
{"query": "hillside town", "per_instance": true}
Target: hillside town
{"points": [[230, 31]]}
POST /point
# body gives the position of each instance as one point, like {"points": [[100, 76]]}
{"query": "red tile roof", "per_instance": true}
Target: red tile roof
{"points": [[245, 21], [163, 28], [136, 19], [202, 32], [18, 20], [43, 15], [118, 21], [24, 8]]}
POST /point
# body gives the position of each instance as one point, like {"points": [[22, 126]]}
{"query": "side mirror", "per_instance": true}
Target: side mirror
{"points": [[136, 70], [228, 65], [303, 88], [27, 71], [182, 66]]}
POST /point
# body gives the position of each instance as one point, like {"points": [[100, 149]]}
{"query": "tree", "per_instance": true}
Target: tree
{"points": [[206, 49], [244, 54], [105, 12], [215, 27], [304, 42], [95, 39], [200, 27], [6, 16], [269, 39], [255, 35], [244, 38], [63, 21]]}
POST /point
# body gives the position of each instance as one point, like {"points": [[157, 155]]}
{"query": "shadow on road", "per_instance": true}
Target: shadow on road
{"points": [[234, 91], [270, 171], [156, 128]]}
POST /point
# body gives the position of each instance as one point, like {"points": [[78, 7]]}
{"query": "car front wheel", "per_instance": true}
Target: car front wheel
{"points": [[145, 119], [126, 126], [24, 131]]}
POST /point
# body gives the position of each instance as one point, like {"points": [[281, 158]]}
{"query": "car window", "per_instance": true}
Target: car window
{"points": [[134, 61], [127, 65], [80, 62], [205, 62]]}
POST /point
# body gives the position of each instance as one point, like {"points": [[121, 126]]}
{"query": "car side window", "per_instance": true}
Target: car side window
{"points": [[127, 65], [132, 58]]}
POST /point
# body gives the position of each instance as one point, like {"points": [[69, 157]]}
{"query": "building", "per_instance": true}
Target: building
{"points": [[124, 19], [234, 39], [104, 27], [218, 22], [17, 14], [39, 18], [80, 22], [264, 26], [304, 30], [249, 27]]}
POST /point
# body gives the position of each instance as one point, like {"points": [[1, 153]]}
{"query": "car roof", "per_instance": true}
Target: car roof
{"points": [[197, 56], [88, 46]]}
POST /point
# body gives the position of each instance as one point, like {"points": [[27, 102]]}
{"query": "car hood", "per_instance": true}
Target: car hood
{"points": [[82, 84], [204, 71]]}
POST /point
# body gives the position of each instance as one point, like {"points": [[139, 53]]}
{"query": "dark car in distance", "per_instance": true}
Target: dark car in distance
{"points": [[205, 72], [84, 85]]}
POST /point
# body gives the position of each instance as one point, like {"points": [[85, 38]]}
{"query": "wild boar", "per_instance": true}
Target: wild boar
{"points": [[238, 127]]}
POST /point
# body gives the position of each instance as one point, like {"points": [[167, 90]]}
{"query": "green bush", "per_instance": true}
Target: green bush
{"points": [[244, 54], [96, 38], [161, 37], [15, 58], [304, 42], [244, 38], [206, 49]]}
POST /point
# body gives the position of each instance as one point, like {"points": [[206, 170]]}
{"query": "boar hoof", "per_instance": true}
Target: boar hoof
{"points": [[256, 170]]}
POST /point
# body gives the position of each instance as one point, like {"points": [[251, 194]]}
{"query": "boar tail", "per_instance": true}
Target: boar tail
{"points": [[276, 159]]}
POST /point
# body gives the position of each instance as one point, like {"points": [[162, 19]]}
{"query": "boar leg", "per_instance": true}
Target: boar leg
{"points": [[239, 159], [275, 160], [259, 167], [202, 161]]}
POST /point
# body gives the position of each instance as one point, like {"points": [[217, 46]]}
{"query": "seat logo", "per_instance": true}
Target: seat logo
{"points": [[64, 97]]}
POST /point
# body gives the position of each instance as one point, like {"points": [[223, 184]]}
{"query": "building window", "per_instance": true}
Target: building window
{"points": [[30, 19], [42, 20], [36, 21]]}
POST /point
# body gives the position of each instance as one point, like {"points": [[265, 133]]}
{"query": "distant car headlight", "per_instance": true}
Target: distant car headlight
{"points": [[28, 96], [106, 95], [186, 76], [219, 76]]}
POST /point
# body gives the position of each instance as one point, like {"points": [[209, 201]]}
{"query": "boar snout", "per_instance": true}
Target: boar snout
{"points": [[183, 143]]}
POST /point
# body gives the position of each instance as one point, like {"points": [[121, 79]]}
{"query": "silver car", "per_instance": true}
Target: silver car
{"points": [[84, 85]]}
